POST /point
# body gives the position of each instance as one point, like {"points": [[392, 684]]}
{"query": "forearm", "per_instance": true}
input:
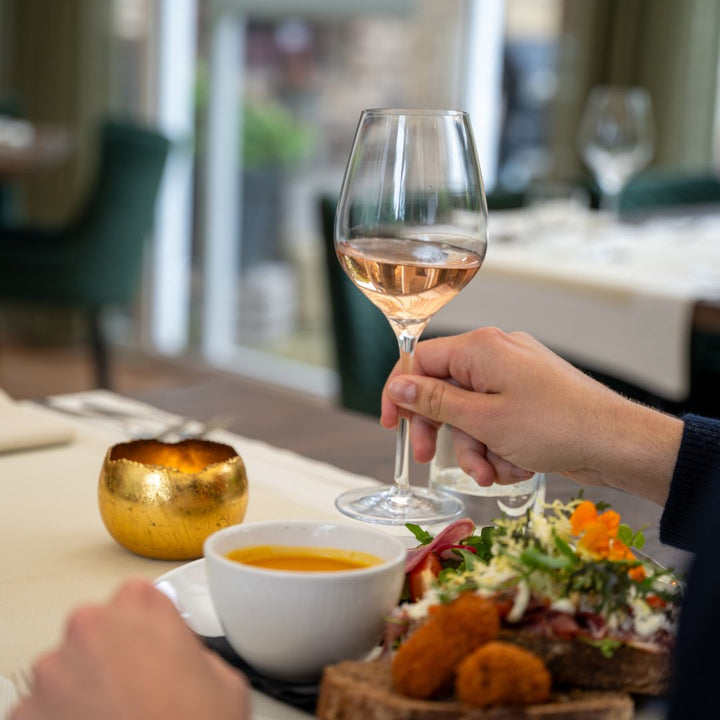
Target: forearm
{"points": [[637, 449], [674, 462]]}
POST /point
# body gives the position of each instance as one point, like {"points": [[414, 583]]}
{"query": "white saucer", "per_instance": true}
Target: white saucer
{"points": [[187, 587]]}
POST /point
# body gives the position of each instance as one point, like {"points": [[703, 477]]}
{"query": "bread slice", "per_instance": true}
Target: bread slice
{"points": [[357, 690], [575, 663]]}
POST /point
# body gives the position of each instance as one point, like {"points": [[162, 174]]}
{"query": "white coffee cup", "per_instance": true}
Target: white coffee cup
{"points": [[290, 624]]}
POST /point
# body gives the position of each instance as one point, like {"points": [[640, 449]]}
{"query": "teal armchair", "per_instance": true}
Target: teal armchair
{"points": [[95, 261], [663, 190]]}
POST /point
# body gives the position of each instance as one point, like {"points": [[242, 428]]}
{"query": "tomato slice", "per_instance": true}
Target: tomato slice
{"points": [[423, 575], [655, 601]]}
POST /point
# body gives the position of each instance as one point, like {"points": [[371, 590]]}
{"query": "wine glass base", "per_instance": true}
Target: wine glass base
{"points": [[392, 506]]}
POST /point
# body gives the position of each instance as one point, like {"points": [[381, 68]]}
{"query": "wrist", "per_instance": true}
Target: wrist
{"points": [[641, 450]]}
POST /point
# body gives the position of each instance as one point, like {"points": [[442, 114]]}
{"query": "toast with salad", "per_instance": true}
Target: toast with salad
{"points": [[546, 615]]}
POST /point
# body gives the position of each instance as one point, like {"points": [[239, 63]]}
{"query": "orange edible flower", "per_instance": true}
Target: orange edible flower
{"points": [[598, 536], [584, 513], [637, 573], [620, 551], [596, 539], [611, 520]]}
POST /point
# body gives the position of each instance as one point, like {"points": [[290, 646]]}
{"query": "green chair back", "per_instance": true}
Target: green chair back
{"points": [[95, 260], [661, 189], [501, 199], [120, 214], [366, 348]]}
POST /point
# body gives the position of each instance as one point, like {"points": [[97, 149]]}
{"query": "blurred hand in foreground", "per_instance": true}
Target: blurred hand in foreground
{"points": [[133, 657]]}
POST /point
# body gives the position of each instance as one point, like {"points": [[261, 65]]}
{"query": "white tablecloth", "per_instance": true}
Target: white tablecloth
{"points": [[617, 298], [57, 553]]}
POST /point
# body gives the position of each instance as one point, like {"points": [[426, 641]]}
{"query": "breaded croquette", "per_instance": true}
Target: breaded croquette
{"points": [[501, 673], [424, 665]]}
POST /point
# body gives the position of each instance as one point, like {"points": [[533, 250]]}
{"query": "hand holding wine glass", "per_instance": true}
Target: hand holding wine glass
{"points": [[410, 232], [616, 137]]}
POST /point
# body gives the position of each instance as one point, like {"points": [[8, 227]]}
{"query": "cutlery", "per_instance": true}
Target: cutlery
{"points": [[139, 424], [22, 682], [189, 428]]}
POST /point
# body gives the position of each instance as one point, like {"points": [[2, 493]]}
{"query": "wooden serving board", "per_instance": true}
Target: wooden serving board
{"points": [[363, 691]]}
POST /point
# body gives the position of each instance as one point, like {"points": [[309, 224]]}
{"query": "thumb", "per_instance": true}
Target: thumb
{"points": [[435, 399]]}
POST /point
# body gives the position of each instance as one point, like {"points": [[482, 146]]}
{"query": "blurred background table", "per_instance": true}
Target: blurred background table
{"points": [[635, 302], [27, 147]]}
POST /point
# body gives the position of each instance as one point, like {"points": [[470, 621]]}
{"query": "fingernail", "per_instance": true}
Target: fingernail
{"points": [[481, 480], [521, 474], [402, 391]]}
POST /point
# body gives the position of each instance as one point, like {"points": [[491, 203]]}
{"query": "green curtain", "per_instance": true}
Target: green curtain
{"points": [[668, 46], [57, 66]]}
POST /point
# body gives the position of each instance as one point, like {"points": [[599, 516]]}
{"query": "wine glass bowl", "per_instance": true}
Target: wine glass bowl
{"points": [[410, 232], [616, 137]]}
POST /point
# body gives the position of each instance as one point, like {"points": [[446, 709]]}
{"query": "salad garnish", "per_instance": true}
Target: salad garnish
{"points": [[575, 559]]}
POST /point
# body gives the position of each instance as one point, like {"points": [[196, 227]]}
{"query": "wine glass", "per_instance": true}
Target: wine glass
{"points": [[410, 232], [616, 137]]}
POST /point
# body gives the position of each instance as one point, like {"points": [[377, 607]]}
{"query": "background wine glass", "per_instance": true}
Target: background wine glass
{"points": [[410, 232], [616, 137]]}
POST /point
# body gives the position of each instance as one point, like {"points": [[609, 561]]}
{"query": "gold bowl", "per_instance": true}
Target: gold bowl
{"points": [[161, 500]]}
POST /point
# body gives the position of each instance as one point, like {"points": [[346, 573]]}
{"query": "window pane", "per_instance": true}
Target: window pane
{"points": [[302, 82]]}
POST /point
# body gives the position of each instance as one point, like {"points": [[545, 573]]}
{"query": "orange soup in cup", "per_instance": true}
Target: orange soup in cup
{"points": [[303, 558]]}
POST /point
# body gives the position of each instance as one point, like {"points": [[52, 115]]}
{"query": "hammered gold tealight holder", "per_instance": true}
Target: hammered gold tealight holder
{"points": [[161, 500]]}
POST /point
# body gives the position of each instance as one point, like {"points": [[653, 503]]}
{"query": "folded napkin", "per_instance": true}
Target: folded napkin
{"points": [[25, 426]]}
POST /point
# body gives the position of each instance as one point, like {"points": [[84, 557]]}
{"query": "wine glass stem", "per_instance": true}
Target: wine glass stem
{"points": [[610, 202], [407, 343]]}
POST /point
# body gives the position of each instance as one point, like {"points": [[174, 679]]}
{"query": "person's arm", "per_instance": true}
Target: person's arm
{"points": [[133, 657], [522, 407]]}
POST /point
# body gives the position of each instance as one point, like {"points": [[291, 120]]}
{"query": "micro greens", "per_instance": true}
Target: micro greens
{"points": [[483, 543], [547, 558], [537, 560], [422, 536], [565, 549], [607, 646], [600, 504], [446, 595], [468, 559], [630, 538]]}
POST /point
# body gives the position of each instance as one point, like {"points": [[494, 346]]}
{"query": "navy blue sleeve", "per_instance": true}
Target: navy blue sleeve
{"points": [[694, 483], [691, 520]]}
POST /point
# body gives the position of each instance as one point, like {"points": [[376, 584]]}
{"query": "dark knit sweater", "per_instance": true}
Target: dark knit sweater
{"points": [[691, 520], [694, 485]]}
